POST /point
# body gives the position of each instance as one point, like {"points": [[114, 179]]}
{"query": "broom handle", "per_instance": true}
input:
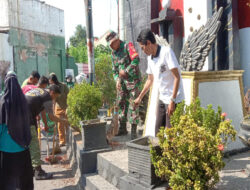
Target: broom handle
{"points": [[53, 150], [47, 144], [116, 116], [39, 133]]}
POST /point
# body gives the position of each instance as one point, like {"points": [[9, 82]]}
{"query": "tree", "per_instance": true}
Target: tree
{"points": [[101, 49], [104, 76], [80, 36], [79, 53]]}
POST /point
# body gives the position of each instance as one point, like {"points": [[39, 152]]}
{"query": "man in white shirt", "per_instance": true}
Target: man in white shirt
{"points": [[163, 67]]}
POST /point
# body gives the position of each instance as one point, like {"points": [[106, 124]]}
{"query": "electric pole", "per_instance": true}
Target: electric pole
{"points": [[90, 39]]}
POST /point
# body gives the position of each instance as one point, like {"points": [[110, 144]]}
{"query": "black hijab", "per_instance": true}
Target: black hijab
{"points": [[14, 111]]}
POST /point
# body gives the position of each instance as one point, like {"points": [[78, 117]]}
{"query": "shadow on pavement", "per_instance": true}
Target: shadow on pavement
{"points": [[62, 175], [67, 188], [234, 183], [234, 176]]}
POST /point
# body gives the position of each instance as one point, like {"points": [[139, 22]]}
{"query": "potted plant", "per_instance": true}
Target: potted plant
{"points": [[141, 169], [192, 150], [244, 136], [245, 131], [84, 100]]}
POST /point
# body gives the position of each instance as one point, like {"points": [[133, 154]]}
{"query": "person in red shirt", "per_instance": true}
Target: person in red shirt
{"points": [[42, 83], [33, 79]]}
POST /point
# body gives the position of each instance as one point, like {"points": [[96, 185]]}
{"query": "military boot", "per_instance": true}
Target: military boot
{"points": [[122, 129], [133, 131]]}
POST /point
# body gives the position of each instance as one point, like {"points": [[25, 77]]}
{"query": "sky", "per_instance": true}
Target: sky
{"points": [[74, 14]]}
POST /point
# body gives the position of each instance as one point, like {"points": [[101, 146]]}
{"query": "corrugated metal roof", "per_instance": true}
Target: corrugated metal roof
{"points": [[83, 68]]}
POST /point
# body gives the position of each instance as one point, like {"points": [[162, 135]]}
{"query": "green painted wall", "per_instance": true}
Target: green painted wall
{"points": [[55, 63], [71, 64], [41, 52]]}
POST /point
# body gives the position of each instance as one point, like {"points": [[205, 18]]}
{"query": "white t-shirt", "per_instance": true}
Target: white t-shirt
{"points": [[160, 67]]}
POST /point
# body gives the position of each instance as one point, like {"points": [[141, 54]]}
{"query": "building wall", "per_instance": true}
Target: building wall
{"points": [[137, 17], [36, 37], [245, 56], [36, 16], [70, 64], [172, 28], [226, 49], [193, 9], [141, 18], [6, 50], [6, 55], [244, 34], [4, 14], [35, 51]]}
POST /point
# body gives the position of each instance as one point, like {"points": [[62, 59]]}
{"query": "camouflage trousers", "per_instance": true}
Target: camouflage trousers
{"points": [[126, 105], [35, 148]]}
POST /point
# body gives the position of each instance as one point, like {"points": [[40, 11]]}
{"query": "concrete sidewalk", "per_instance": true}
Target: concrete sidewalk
{"points": [[63, 175], [234, 176]]}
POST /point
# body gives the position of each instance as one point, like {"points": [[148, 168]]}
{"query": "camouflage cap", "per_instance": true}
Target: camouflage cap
{"points": [[110, 36]]}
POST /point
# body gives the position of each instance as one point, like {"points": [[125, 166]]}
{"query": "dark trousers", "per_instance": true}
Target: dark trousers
{"points": [[16, 171], [162, 118]]}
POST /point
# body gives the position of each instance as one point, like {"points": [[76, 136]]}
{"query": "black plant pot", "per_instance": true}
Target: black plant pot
{"points": [[141, 169], [244, 134], [94, 135]]}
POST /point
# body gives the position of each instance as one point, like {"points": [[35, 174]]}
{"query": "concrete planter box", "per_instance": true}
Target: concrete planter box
{"points": [[244, 134], [140, 167], [102, 113], [94, 135], [93, 142]]}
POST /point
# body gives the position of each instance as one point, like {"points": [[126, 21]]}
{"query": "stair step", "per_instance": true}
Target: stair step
{"points": [[97, 182], [113, 165]]}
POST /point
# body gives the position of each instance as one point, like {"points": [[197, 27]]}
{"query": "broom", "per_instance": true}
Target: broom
{"points": [[113, 128], [53, 159], [47, 139], [51, 125], [115, 118], [39, 134], [57, 149]]}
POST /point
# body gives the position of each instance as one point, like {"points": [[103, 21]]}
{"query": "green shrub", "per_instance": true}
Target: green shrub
{"points": [[191, 151], [104, 78], [84, 100]]}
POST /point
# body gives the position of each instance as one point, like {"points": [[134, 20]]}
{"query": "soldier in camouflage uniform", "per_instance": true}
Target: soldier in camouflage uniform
{"points": [[125, 67]]}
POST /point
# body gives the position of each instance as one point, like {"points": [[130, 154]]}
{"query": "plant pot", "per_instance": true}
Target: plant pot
{"points": [[140, 166], [76, 128], [244, 134], [102, 113], [94, 135]]}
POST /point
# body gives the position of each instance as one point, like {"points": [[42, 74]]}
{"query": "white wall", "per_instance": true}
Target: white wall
{"points": [[199, 7], [36, 16], [187, 85], [4, 14], [6, 51], [245, 55], [227, 95]]}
